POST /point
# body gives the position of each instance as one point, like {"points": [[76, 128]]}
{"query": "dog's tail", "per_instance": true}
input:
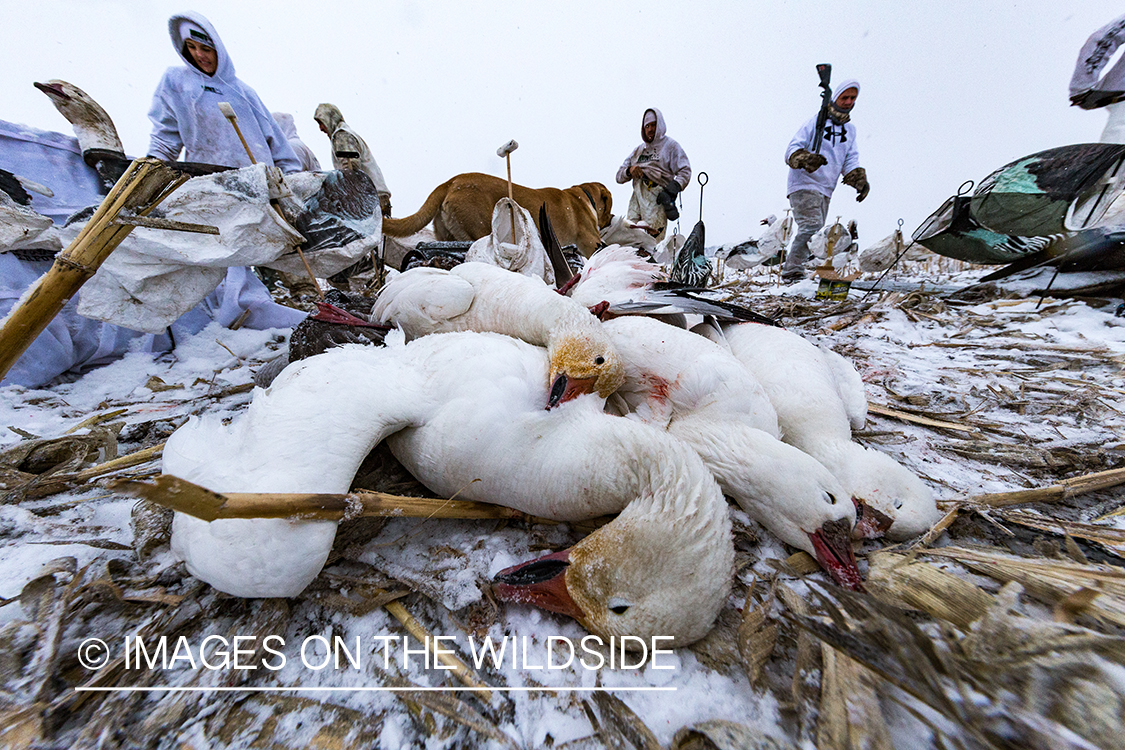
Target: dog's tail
{"points": [[409, 225]]}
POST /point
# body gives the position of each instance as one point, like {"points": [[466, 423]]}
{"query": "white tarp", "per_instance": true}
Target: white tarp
{"points": [[23, 229], [74, 344], [54, 160], [513, 247], [155, 275]]}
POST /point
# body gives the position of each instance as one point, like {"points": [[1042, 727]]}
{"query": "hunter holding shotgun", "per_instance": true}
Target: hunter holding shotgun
{"points": [[821, 151]]}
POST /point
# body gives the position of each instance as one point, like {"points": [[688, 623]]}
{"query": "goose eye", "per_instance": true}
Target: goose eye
{"points": [[898, 504], [599, 360], [831, 498], [618, 607]]}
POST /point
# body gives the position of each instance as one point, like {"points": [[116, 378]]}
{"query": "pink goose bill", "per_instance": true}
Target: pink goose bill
{"points": [[833, 545], [541, 582]]}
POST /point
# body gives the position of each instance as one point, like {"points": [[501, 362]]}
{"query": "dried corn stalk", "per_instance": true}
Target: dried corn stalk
{"points": [[909, 583], [1052, 581]]}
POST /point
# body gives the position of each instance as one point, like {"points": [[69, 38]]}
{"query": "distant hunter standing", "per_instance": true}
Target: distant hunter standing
{"points": [[813, 174], [659, 169], [349, 151]]}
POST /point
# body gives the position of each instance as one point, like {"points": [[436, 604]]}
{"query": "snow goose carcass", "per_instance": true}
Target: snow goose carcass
{"points": [[805, 388], [482, 297], [700, 393], [456, 408]]}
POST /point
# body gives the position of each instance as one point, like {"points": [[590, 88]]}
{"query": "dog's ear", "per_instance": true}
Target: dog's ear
{"points": [[606, 213]]}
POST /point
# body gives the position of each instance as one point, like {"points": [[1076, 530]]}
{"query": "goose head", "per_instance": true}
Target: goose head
{"points": [[92, 125], [582, 361], [890, 498], [661, 568], [800, 502]]}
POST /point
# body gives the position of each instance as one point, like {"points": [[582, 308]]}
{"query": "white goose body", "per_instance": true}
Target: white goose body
{"points": [[703, 395], [482, 297], [805, 392], [615, 274], [631, 285], [459, 407]]}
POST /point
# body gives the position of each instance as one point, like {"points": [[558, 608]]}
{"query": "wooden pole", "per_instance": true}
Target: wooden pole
{"points": [[232, 118], [145, 183], [506, 151], [511, 207]]}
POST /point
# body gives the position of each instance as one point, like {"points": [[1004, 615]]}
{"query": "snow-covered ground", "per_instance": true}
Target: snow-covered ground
{"points": [[1027, 394]]}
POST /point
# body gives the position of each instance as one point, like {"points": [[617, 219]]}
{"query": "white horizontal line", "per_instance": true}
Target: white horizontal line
{"points": [[364, 689]]}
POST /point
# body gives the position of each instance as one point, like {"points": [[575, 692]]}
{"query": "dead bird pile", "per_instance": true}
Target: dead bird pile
{"points": [[1001, 628]]}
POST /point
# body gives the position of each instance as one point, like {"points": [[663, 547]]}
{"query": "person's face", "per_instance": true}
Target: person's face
{"points": [[205, 57], [846, 99], [322, 128], [649, 131]]}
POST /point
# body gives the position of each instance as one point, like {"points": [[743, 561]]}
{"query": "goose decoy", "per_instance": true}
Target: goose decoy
{"points": [[96, 133], [691, 267]]}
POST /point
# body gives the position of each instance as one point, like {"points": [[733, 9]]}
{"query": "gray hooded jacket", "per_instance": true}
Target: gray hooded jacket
{"points": [[309, 162], [661, 161]]}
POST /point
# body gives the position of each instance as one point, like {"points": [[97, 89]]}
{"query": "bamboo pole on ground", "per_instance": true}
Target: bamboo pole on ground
{"points": [[450, 660], [186, 497], [1054, 493], [145, 183]]}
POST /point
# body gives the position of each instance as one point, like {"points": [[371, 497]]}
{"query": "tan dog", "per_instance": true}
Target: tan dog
{"points": [[461, 209]]}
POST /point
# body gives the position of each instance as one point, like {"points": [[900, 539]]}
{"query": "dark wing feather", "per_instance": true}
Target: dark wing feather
{"points": [[563, 273]]}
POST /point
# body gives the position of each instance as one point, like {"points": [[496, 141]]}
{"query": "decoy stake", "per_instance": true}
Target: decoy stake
{"points": [[506, 151]]}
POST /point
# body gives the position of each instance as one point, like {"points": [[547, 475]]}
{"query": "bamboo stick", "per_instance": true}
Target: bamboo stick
{"points": [[96, 419], [53, 484], [1067, 488], [455, 665], [142, 184], [186, 497]]}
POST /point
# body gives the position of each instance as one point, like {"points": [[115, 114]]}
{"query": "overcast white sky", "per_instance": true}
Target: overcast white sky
{"points": [[951, 89]]}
